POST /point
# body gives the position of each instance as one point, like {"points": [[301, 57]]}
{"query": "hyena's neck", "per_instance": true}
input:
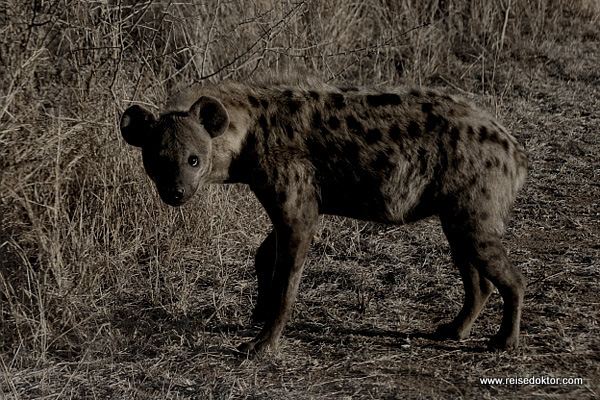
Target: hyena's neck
{"points": [[227, 147], [233, 158]]}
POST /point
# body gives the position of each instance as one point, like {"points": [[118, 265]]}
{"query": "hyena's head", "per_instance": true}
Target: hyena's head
{"points": [[176, 148]]}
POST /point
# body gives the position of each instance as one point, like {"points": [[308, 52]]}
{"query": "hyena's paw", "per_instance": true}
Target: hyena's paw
{"points": [[503, 342], [450, 331], [257, 346]]}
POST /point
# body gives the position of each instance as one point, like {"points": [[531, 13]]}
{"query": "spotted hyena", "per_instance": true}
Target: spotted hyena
{"points": [[391, 155]]}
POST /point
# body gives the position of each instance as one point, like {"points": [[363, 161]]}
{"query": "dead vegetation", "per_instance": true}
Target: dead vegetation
{"points": [[107, 293]]}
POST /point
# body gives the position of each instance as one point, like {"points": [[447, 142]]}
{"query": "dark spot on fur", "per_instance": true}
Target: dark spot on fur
{"points": [[354, 126], [290, 131], [426, 107], [253, 101], [488, 164], [413, 130], [385, 99], [505, 168], [493, 137], [274, 120], [338, 100], [435, 121], [457, 161], [314, 95], [390, 150], [415, 93], [504, 143], [288, 93], [422, 160], [373, 135], [262, 121], [317, 119], [454, 138], [281, 197], [334, 122], [349, 89], [483, 134], [486, 194], [264, 103], [395, 133], [293, 106], [443, 125]]}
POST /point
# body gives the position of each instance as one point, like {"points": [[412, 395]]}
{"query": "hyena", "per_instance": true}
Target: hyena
{"points": [[391, 155]]}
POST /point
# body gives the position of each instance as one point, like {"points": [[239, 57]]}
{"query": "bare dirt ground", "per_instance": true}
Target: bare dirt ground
{"points": [[370, 292]]}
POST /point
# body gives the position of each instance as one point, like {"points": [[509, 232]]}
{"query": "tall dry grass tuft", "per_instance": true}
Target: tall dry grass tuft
{"points": [[84, 243]]}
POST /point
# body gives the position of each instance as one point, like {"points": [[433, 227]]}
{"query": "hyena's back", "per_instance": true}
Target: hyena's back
{"points": [[395, 156]]}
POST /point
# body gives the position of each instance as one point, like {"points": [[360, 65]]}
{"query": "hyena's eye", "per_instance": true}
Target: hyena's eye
{"points": [[193, 161]]}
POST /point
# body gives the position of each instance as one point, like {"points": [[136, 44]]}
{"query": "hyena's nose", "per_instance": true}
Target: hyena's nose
{"points": [[177, 193]]}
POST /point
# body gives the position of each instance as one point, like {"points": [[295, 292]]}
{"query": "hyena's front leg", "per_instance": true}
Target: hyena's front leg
{"points": [[264, 263], [294, 222]]}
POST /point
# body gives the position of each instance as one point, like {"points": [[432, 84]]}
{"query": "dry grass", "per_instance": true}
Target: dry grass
{"points": [[107, 293]]}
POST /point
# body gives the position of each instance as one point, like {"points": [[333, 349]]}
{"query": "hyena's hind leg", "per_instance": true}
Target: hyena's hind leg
{"points": [[482, 261], [477, 291], [264, 263]]}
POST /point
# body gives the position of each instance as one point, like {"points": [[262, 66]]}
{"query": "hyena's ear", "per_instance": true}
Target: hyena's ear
{"points": [[212, 115], [135, 125]]}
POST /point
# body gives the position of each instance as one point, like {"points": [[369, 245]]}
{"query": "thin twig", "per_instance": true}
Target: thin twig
{"points": [[249, 49]]}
